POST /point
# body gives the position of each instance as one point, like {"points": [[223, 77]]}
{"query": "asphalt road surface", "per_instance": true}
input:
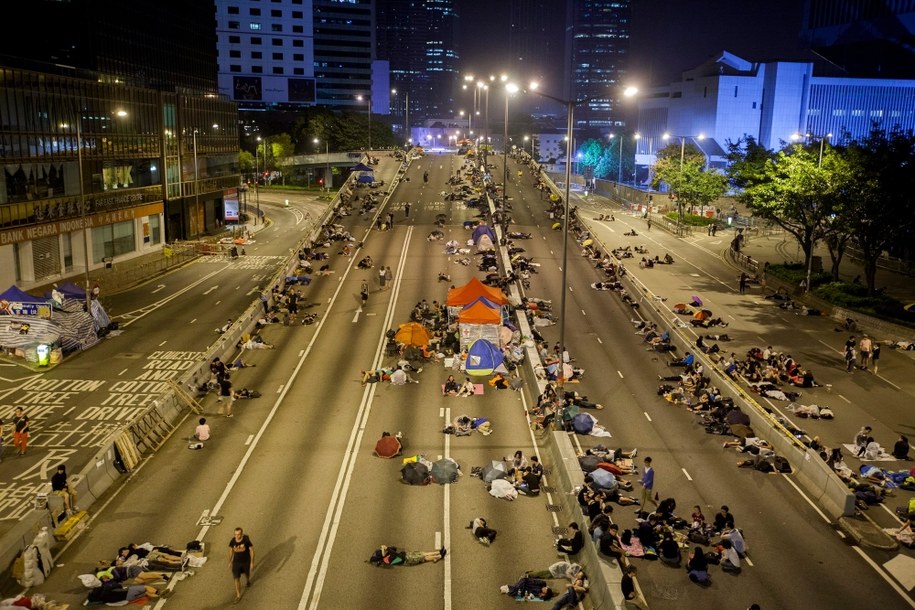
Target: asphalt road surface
{"points": [[295, 468]]}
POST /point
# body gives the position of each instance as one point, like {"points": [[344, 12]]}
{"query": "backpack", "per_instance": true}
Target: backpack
{"points": [[764, 466], [782, 465]]}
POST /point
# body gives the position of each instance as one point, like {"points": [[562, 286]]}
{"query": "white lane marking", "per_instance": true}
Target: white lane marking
{"points": [[211, 289], [843, 398], [217, 303], [446, 524], [280, 389], [441, 412], [688, 478], [301, 351], [320, 562], [250, 292], [620, 374], [356, 317], [249, 439], [885, 576], [647, 416], [583, 312], [192, 321], [809, 501], [599, 341], [122, 372], [163, 343], [749, 563], [158, 288], [237, 287], [70, 410], [829, 346]]}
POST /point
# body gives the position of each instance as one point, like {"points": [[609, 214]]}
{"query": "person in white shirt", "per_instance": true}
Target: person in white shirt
{"points": [[733, 534], [202, 432]]}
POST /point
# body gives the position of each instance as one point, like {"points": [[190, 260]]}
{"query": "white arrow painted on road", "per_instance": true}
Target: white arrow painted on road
{"points": [[356, 317], [211, 289], [158, 288]]}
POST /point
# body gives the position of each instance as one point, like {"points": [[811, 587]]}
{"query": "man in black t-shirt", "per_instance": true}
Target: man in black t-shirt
{"points": [[241, 560]]}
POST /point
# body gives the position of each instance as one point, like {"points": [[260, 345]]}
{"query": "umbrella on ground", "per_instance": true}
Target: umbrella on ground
{"points": [[697, 302], [589, 463], [582, 423], [445, 471], [494, 470], [415, 473], [361, 167], [412, 333], [388, 446], [741, 430], [702, 314], [604, 479]]}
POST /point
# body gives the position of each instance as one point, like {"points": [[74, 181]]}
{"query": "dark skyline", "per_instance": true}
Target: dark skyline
{"points": [[667, 37]]}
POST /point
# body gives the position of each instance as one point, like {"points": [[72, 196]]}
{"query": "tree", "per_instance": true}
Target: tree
{"points": [[795, 191], [245, 162], [682, 168], [879, 188], [746, 161]]}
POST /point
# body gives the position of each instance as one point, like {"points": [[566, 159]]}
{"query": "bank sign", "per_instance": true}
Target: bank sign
{"points": [[16, 308]]}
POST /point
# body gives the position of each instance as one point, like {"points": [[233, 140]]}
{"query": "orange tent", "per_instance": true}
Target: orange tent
{"points": [[472, 290], [479, 313]]}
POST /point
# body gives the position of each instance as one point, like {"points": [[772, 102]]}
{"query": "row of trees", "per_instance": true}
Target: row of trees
{"points": [[860, 193]]}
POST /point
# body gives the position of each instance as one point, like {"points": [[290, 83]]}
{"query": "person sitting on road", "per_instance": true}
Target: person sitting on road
{"points": [[736, 538], [451, 387], [61, 487], [669, 550], [202, 431], [468, 388], [697, 567], [687, 360], [730, 560], [901, 448], [723, 519], [573, 544]]}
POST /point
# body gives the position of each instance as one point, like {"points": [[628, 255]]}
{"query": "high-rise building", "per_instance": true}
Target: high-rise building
{"points": [[866, 38], [113, 139], [419, 40], [266, 53], [598, 50], [344, 47]]}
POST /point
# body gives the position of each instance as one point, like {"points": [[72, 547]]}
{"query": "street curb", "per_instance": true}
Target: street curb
{"points": [[859, 532]]}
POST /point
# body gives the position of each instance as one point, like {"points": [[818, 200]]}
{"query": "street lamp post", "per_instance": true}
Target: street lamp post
{"points": [[822, 139], [257, 193], [327, 173], [406, 110], [82, 204], [619, 171], [570, 109], [509, 89], [667, 136], [368, 101]]}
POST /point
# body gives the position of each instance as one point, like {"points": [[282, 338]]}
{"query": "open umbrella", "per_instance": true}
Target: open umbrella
{"points": [[702, 314], [366, 178], [445, 471], [412, 333], [388, 446], [589, 463], [697, 302], [604, 479], [587, 242], [582, 423], [415, 473], [494, 470]]}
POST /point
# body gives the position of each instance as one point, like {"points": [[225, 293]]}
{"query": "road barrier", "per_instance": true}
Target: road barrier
{"points": [[809, 469]]}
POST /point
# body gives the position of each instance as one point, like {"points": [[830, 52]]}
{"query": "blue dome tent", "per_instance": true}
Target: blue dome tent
{"points": [[483, 358]]}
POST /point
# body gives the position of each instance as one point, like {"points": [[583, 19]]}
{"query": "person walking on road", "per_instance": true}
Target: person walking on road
{"points": [[364, 293], [381, 276], [649, 223], [388, 275], [20, 431], [875, 356], [241, 560], [647, 482], [406, 210], [742, 285]]}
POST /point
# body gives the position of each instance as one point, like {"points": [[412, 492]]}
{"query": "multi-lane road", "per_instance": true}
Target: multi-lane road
{"points": [[295, 469]]}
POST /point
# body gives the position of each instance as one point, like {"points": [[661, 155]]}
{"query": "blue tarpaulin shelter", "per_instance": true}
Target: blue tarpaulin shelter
{"points": [[366, 178], [482, 230], [13, 293], [483, 358]]}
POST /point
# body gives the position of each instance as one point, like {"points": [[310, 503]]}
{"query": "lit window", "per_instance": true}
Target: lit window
{"points": [[254, 26]]}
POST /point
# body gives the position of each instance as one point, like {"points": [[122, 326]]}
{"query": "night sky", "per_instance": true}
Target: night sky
{"points": [[668, 36]]}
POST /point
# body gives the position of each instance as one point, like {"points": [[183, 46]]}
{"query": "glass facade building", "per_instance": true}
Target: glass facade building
{"points": [[115, 162]]}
